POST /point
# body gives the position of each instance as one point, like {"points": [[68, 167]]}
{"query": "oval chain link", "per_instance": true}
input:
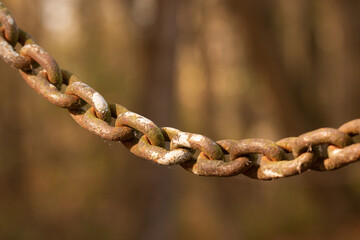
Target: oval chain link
{"points": [[143, 148], [8, 27], [89, 120], [51, 68], [141, 124]]}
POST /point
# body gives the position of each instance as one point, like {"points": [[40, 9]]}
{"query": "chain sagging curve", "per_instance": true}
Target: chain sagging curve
{"points": [[322, 150]]}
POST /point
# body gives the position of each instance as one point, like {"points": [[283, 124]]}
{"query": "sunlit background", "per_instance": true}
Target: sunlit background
{"points": [[226, 69]]}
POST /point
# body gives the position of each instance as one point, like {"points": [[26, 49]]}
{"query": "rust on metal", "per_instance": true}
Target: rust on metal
{"points": [[269, 170], [169, 133], [253, 146], [42, 86], [352, 128], [339, 157], [11, 57], [199, 142], [25, 38], [287, 143], [320, 136], [89, 120], [143, 125], [219, 168], [38, 54], [8, 27], [322, 149], [92, 97], [117, 109], [68, 77], [144, 149]]}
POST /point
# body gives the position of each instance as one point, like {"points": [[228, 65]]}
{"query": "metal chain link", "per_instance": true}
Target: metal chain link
{"points": [[322, 150]]}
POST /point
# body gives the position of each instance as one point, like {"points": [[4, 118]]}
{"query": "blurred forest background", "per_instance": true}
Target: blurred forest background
{"points": [[226, 69]]}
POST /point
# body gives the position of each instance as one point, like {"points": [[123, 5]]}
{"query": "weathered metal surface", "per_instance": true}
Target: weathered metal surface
{"points": [[92, 97], [199, 142], [219, 168], [352, 128], [253, 146], [169, 133], [322, 149], [8, 27], [38, 54], [287, 143], [144, 149], [11, 57], [268, 170], [89, 120], [338, 157], [320, 136], [143, 125], [25, 38], [41, 85]]}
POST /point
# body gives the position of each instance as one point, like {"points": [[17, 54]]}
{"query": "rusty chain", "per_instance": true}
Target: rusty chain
{"points": [[322, 150]]}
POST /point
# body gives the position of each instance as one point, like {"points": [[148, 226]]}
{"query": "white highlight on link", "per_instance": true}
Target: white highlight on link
{"points": [[182, 140], [99, 102], [270, 173], [172, 157], [198, 138]]}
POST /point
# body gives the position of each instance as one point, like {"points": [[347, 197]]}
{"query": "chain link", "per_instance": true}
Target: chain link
{"points": [[322, 149]]}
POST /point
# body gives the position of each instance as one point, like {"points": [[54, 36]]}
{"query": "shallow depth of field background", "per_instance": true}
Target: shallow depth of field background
{"points": [[226, 69]]}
